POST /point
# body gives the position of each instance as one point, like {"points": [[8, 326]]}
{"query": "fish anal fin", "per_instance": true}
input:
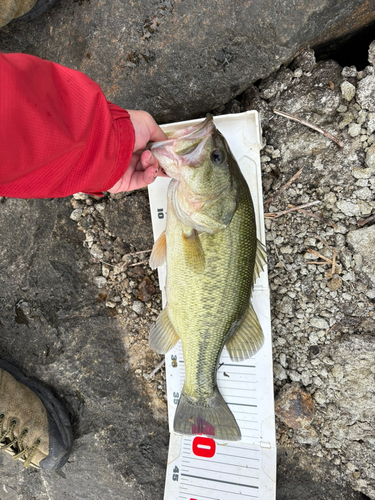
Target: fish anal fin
{"points": [[212, 418], [162, 336], [248, 338], [193, 250], [260, 260], [159, 252]]}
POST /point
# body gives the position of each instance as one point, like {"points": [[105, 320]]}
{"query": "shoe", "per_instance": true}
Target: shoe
{"points": [[34, 427], [38, 10]]}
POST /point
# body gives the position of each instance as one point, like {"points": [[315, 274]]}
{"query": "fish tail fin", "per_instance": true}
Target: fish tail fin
{"points": [[213, 418]]}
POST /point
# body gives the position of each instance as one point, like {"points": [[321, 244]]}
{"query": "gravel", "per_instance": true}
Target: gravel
{"points": [[323, 314], [321, 264]]}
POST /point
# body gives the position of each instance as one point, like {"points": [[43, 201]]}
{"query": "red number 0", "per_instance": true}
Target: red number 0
{"points": [[204, 447]]}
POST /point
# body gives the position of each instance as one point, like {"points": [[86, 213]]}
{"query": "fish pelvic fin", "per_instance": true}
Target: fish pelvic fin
{"points": [[212, 418], [260, 260], [248, 339], [162, 336], [159, 252], [193, 250]]}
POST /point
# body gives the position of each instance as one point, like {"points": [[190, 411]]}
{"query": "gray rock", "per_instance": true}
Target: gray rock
{"points": [[371, 123], [181, 59], [96, 252], [370, 158], [76, 214], [67, 339], [366, 92], [319, 323], [348, 208], [371, 53], [305, 61], [127, 215], [363, 243], [100, 281], [138, 306], [349, 72], [303, 477], [279, 372], [317, 331], [354, 129], [347, 90]]}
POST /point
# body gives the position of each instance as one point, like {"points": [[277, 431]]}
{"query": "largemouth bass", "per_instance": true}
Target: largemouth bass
{"points": [[213, 259]]}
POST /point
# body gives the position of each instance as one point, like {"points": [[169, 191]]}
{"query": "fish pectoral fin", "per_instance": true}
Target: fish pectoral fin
{"points": [[193, 250], [260, 260], [159, 251], [162, 336], [248, 339]]}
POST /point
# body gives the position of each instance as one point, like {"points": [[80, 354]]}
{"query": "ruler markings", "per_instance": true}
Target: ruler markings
{"points": [[246, 398], [227, 463], [240, 404], [234, 447], [246, 420], [210, 461], [237, 365], [201, 496], [240, 494], [238, 388], [191, 476], [226, 473], [236, 456]]}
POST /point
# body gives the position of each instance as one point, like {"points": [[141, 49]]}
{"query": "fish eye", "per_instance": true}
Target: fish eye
{"points": [[217, 157]]}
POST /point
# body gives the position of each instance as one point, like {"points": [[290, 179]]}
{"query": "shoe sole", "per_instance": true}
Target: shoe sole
{"points": [[60, 430]]}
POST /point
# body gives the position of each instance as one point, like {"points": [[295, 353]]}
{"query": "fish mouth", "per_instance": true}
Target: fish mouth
{"points": [[183, 147]]}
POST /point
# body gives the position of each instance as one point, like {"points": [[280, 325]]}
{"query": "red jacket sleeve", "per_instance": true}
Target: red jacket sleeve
{"points": [[58, 133]]}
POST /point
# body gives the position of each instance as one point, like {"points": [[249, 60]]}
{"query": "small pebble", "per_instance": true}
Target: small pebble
{"points": [[100, 281], [138, 306], [76, 214]]}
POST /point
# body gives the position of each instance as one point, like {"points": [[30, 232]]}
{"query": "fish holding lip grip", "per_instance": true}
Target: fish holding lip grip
{"points": [[213, 259]]}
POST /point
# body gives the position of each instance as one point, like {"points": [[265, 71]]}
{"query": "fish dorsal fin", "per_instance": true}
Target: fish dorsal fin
{"points": [[159, 252], [260, 260], [193, 250], [162, 336], [248, 339]]}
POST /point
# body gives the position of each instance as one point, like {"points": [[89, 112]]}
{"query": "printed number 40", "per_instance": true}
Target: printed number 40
{"points": [[175, 474]]}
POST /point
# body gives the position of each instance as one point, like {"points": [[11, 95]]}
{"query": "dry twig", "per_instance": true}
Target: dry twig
{"points": [[310, 125], [317, 217], [326, 260], [138, 263], [278, 193], [366, 221], [314, 252], [156, 369], [136, 253], [275, 215]]}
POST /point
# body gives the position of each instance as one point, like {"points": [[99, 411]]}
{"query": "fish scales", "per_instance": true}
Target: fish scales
{"points": [[207, 305]]}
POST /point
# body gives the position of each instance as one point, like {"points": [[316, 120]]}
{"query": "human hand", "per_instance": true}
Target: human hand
{"points": [[143, 168]]}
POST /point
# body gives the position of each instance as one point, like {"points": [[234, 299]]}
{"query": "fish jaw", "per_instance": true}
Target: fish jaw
{"points": [[184, 148]]}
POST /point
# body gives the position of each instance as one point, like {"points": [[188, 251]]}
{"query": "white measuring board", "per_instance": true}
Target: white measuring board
{"points": [[201, 467]]}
